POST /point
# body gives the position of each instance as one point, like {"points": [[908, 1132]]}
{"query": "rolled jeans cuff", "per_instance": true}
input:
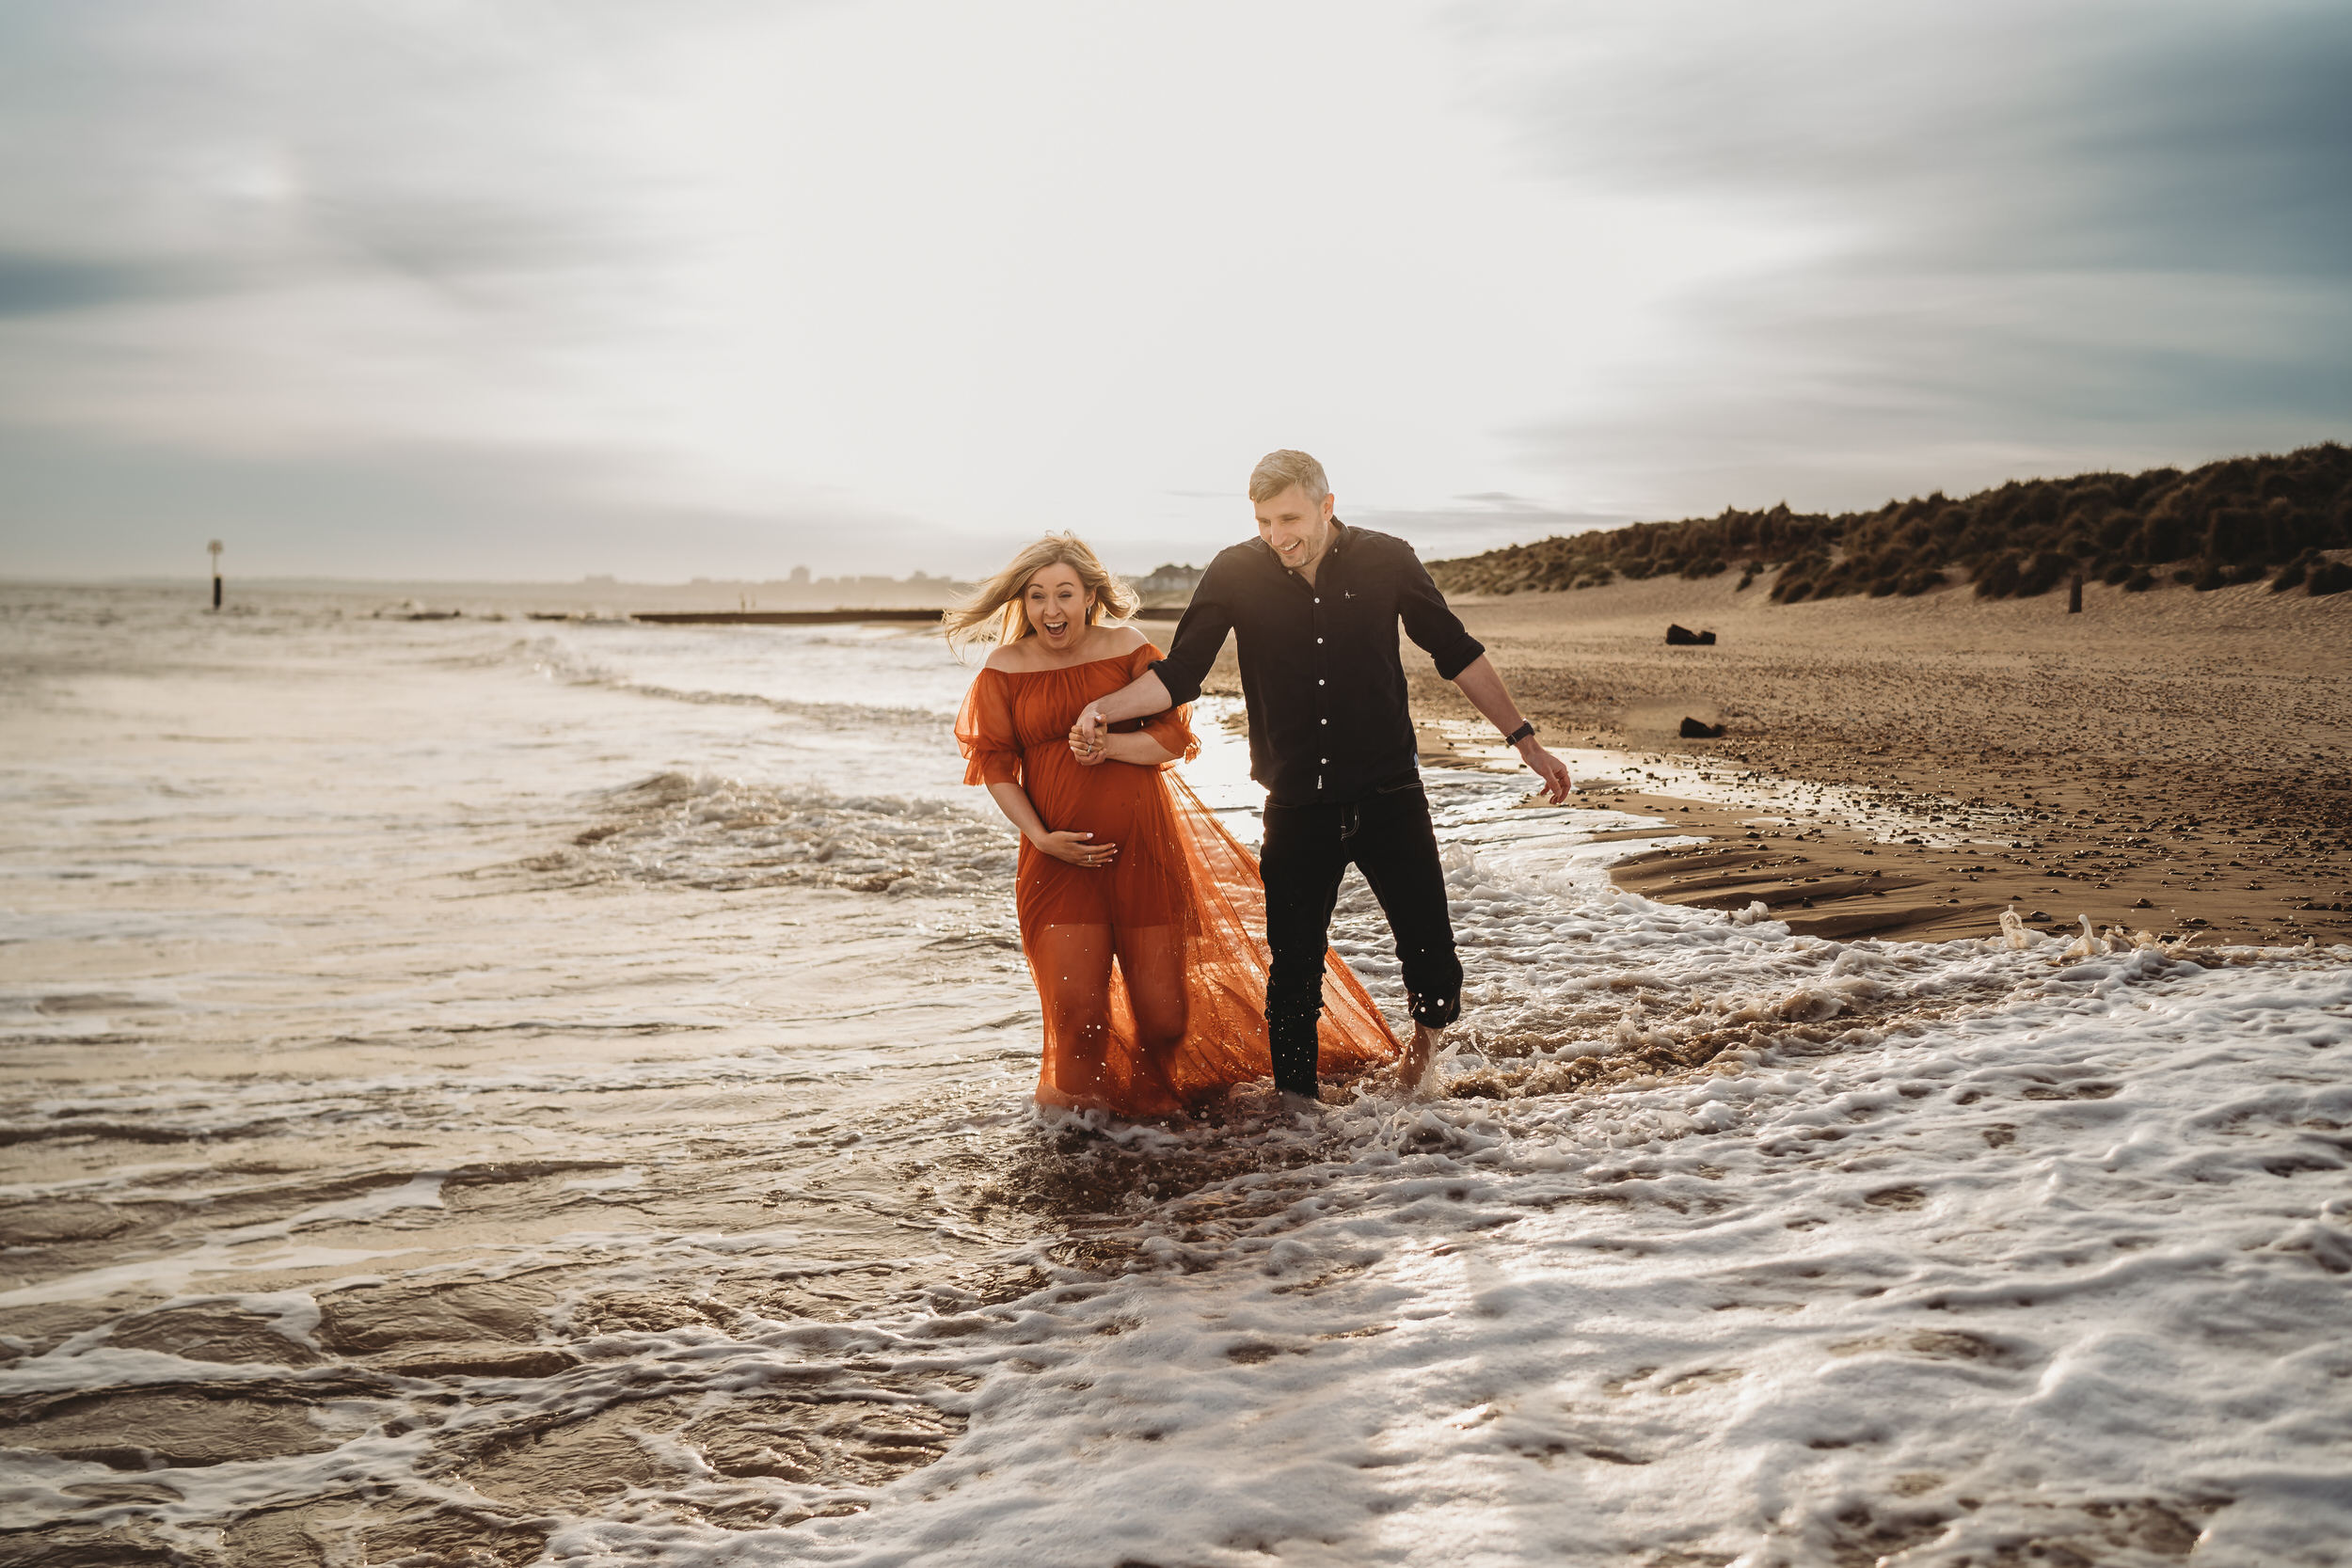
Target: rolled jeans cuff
{"points": [[1436, 1012]]}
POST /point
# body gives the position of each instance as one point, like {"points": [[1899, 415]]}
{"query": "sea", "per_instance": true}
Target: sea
{"points": [[478, 1089]]}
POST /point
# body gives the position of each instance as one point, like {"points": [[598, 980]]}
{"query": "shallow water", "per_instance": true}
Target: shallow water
{"points": [[535, 1091]]}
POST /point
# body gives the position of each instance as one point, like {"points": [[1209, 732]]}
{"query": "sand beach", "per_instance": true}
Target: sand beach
{"points": [[2173, 760]]}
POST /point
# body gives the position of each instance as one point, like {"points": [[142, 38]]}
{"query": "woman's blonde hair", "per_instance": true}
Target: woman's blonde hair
{"points": [[999, 599]]}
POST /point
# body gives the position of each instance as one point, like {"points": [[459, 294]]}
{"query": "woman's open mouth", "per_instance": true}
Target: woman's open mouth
{"points": [[1053, 628]]}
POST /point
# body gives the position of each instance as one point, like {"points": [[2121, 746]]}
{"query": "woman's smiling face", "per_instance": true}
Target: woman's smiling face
{"points": [[1057, 604]]}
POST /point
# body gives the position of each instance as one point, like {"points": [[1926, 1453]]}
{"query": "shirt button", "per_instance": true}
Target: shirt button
{"points": [[1318, 601], [1323, 721], [1319, 683], [1318, 640], [1326, 761]]}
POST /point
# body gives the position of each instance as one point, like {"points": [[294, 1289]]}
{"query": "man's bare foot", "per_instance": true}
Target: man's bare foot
{"points": [[1412, 1068]]}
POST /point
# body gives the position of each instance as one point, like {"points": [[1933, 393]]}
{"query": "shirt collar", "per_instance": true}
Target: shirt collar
{"points": [[1338, 535]]}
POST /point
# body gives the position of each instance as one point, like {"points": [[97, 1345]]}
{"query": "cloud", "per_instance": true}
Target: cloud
{"points": [[1492, 521], [1962, 243], [2026, 134], [483, 512], [33, 285], [1502, 500], [935, 277]]}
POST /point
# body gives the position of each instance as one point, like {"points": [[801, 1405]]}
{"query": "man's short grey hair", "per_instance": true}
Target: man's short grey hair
{"points": [[1277, 471]]}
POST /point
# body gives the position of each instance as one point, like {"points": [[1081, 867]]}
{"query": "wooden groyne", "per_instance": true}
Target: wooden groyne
{"points": [[827, 617], [778, 617]]}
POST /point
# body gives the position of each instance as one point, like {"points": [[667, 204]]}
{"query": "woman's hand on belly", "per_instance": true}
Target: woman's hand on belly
{"points": [[1076, 847]]}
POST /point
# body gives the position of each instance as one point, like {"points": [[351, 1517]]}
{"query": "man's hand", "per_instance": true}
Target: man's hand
{"points": [[1088, 753], [1557, 784], [1090, 725], [1485, 690]]}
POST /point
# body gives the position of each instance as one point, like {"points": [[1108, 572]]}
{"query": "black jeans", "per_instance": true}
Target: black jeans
{"points": [[1307, 848]]}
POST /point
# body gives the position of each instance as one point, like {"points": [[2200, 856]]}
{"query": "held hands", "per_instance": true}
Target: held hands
{"points": [[1088, 749], [1089, 726], [1077, 848]]}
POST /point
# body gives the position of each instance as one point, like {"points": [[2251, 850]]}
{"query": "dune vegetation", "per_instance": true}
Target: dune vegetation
{"points": [[2243, 519]]}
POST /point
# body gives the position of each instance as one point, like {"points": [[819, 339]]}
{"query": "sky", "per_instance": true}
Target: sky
{"points": [[540, 289]]}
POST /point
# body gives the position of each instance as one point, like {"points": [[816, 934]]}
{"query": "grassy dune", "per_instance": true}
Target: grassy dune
{"points": [[2239, 520]]}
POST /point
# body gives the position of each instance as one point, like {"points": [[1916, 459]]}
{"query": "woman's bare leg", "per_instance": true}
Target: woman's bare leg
{"points": [[1073, 966], [1152, 959]]}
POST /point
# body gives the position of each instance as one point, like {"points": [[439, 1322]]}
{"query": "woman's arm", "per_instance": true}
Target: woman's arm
{"points": [[1076, 847], [1140, 747]]}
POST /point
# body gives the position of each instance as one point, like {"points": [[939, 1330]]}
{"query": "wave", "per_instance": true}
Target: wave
{"points": [[709, 832], [559, 663]]}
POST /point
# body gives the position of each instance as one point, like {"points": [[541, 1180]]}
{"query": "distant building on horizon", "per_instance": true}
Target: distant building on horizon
{"points": [[1167, 579], [917, 590]]}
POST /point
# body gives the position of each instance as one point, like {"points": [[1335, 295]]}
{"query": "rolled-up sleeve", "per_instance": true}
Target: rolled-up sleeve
{"points": [[1431, 623], [1200, 635], [1171, 726]]}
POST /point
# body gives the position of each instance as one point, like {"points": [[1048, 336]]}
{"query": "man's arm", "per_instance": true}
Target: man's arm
{"points": [[1138, 699], [1462, 659], [1431, 623], [1176, 679], [1485, 689]]}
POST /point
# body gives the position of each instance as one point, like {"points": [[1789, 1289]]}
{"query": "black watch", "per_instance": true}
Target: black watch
{"points": [[1527, 727]]}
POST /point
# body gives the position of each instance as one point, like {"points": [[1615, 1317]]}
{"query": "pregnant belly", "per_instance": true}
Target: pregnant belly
{"points": [[1113, 807]]}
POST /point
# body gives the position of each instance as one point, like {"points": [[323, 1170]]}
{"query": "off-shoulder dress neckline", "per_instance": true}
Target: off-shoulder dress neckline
{"points": [[1065, 669]]}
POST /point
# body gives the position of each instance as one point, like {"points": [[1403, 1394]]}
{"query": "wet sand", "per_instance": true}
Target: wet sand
{"points": [[2171, 761]]}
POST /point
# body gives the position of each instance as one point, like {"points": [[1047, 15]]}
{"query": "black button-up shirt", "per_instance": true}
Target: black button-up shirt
{"points": [[1320, 671]]}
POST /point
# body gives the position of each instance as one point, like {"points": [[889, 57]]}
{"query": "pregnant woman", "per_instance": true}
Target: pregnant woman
{"points": [[1137, 906]]}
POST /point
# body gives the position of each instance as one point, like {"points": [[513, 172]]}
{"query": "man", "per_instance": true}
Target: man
{"points": [[1316, 604]]}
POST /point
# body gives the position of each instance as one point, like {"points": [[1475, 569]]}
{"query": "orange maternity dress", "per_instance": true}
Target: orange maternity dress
{"points": [[1181, 891]]}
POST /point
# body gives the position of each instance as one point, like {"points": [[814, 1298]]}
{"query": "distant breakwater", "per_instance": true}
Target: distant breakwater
{"points": [[831, 617], [779, 617]]}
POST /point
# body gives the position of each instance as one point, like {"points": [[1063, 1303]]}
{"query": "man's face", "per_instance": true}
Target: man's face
{"points": [[1295, 529]]}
